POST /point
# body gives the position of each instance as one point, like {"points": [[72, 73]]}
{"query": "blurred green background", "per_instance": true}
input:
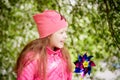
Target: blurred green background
{"points": [[94, 27]]}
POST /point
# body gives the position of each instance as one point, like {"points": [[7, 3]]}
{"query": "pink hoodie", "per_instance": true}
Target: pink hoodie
{"points": [[56, 69]]}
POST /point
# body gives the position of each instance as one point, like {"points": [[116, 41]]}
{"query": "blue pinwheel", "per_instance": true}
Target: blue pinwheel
{"points": [[83, 65]]}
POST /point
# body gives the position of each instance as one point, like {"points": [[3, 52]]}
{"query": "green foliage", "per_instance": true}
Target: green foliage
{"points": [[93, 28], [16, 30]]}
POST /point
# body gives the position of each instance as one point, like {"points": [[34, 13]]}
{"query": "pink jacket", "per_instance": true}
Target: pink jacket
{"points": [[56, 69]]}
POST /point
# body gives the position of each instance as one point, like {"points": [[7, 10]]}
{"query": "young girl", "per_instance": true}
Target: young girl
{"points": [[46, 58]]}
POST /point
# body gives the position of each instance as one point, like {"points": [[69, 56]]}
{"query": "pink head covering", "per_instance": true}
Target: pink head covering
{"points": [[49, 22]]}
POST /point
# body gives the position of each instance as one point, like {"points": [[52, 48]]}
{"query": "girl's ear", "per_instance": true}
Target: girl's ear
{"points": [[49, 37]]}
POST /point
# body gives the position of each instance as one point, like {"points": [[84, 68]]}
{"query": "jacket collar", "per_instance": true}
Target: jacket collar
{"points": [[52, 52]]}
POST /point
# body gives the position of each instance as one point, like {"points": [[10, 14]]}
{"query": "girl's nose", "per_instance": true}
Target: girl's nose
{"points": [[65, 35]]}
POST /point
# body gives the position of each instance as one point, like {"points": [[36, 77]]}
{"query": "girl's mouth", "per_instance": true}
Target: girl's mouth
{"points": [[62, 42]]}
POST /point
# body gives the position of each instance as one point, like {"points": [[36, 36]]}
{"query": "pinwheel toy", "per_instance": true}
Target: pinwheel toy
{"points": [[83, 65]]}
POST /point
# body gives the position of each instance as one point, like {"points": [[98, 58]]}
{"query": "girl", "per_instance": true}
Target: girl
{"points": [[46, 58]]}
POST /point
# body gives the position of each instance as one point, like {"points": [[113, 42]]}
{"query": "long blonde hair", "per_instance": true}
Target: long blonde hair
{"points": [[38, 46]]}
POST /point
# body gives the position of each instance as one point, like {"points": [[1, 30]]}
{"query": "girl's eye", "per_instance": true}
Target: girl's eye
{"points": [[64, 32], [61, 32]]}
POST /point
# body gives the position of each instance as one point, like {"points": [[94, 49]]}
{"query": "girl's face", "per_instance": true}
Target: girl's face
{"points": [[58, 38]]}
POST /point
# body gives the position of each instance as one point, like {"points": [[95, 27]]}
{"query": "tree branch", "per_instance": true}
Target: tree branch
{"points": [[110, 24]]}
